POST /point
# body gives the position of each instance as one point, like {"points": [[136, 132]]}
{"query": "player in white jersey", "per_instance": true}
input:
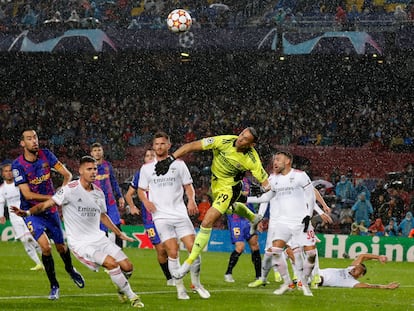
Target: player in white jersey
{"points": [[163, 197], [293, 196], [270, 201], [349, 276], [10, 196], [83, 208]]}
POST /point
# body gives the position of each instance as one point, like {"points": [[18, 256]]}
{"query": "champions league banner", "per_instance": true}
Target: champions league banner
{"points": [[248, 39]]}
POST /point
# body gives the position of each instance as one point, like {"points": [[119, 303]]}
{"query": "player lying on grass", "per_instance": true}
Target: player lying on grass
{"points": [[349, 276]]}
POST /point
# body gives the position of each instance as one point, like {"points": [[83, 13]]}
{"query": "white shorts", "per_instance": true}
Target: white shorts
{"points": [[93, 254], [292, 234], [19, 226], [174, 228]]}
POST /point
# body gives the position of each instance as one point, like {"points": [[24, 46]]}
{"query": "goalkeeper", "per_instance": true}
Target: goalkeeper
{"points": [[232, 157]]}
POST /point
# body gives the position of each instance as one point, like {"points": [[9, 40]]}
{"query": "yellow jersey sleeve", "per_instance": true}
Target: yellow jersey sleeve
{"points": [[229, 164]]}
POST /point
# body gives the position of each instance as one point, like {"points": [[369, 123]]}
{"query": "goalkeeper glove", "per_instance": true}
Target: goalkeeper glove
{"points": [[306, 221], [256, 190], [161, 168]]}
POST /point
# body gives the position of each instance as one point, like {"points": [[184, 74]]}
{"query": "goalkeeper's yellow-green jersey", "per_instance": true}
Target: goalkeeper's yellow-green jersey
{"points": [[228, 166]]}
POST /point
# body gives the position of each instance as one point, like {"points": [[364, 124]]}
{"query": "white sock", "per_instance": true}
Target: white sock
{"points": [[294, 269], [30, 247], [195, 272], [298, 254], [309, 263], [279, 261], [121, 282], [174, 265], [266, 265], [316, 266]]}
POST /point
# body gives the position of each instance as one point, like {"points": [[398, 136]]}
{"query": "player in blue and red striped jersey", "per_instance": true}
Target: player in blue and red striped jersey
{"points": [[32, 174], [239, 228], [149, 226], [105, 179]]}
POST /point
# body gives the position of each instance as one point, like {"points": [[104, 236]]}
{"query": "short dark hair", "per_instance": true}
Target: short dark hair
{"points": [[286, 154], [253, 131], [161, 134], [96, 145], [87, 159], [26, 129], [5, 163], [365, 269]]}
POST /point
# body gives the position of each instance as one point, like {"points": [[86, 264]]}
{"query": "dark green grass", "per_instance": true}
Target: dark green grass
{"points": [[22, 289]]}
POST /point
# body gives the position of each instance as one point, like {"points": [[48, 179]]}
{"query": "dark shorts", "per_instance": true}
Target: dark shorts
{"points": [[113, 214], [48, 223], [152, 233], [239, 229]]}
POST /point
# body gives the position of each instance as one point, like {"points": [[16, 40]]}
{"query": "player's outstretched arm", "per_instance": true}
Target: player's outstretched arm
{"points": [[187, 148], [110, 225], [392, 285], [161, 168], [38, 208], [265, 197]]}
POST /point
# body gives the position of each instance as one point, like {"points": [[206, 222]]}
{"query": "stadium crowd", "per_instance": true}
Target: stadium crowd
{"points": [[31, 14], [362, 117], [133, 121], [280, 121]]}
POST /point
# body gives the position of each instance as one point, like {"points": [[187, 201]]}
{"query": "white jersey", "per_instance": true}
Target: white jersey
{"points": [[338, 277], [291, 196], [10, 196], [81, 211], [166, 191]]}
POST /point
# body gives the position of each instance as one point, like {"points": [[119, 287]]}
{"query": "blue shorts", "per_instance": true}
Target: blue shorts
{"points": [[152, 233], [48, 223], [113, 214], [239, 228]]}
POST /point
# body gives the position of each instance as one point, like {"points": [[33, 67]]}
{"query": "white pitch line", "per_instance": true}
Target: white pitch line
{"points": [[238, 290]]}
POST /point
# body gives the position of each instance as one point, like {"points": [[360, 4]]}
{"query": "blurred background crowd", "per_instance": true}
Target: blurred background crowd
{"points": [[135, 14]]}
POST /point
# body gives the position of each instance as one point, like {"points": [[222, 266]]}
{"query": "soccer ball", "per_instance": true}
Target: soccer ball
{"points": [[179, 20]]}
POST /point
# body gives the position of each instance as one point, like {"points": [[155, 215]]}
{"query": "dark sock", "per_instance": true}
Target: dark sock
{"points": [[165, 270], [234, 258], [118, 240], [50, 269], [257, 262], [67, 260]]}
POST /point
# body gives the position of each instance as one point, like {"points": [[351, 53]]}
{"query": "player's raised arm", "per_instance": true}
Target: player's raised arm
{"points": [[62, 170], [363, 257]]}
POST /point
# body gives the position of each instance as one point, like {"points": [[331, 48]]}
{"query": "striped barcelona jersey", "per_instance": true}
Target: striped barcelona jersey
{"points": [[228, 165], [146, 216], [105, 179], [36, 174]]}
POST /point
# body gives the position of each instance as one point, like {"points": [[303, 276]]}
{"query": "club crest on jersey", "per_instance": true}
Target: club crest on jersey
{"points": [[209, 140], [291, 179]]}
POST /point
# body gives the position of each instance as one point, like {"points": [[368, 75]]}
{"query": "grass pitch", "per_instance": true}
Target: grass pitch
{"points": [[22, 289]]}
